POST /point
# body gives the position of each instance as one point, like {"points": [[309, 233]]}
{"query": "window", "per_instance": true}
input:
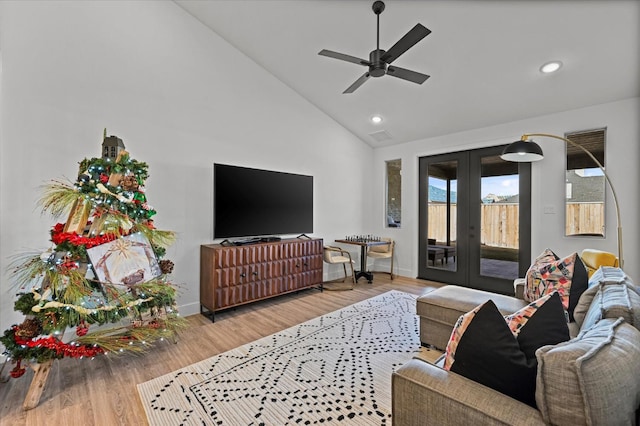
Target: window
{"points": [[394, 193], [585, 184]]}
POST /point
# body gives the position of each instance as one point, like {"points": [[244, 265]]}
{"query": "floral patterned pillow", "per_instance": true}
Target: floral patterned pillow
{"points": [[547, 256], [567, 276]]}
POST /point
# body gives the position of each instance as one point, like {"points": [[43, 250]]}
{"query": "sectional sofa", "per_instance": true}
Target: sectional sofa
{"points": [[591, 379]]}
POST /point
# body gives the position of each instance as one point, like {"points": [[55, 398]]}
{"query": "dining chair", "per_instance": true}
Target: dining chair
{"points": [[335, 256], [383, 251]]}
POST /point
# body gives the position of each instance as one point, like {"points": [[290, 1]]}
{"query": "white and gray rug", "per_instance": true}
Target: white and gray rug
{"points": [[333, 369]]}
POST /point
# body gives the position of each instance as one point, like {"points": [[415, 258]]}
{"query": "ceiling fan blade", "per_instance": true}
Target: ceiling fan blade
{"points": [[343, 57], [406, 74], [414, 35], [359, 82]]}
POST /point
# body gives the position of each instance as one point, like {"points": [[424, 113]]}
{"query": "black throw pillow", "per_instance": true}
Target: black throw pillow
{"points": [[483, 348], [499, 352], [540, 323], [579, 285]]}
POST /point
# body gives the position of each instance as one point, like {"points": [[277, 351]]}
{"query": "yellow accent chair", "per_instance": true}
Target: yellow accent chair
{"points": [[593, 259], [383, 251]]}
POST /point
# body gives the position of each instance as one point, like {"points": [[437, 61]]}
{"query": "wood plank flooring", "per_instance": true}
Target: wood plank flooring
{"points": [[103, 391]]}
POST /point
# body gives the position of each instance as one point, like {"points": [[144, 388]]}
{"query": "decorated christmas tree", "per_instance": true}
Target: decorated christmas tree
{"points": [[102, 288]]}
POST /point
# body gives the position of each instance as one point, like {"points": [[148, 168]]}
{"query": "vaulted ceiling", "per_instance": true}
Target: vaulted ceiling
{"points": [[483, 58]]}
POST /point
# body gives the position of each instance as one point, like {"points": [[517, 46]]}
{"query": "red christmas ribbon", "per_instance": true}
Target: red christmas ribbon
{"points": [[61, 348], [59, 237]]}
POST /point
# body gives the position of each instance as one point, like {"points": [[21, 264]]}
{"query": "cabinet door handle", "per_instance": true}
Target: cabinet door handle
{"points": [[242, 275]]}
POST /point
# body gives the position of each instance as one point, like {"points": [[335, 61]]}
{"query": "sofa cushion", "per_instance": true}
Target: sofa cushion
{"points": [[542, 322], [568, 276], [447, 303], [613, 301], [615, 294], [593, 378], [483, 348], [439, 310], [609, 275]]}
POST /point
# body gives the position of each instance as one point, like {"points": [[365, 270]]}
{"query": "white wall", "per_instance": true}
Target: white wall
{"points": [[622, 157], [180, 97]]}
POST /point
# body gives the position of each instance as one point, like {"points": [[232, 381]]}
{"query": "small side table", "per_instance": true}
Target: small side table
{"points": [[364, 245]]}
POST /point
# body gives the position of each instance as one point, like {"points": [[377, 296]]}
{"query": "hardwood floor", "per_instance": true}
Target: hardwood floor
{"points": [[103, 391]]}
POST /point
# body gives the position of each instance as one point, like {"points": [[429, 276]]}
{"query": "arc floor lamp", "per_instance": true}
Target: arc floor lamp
{"points": [[526, 151]]}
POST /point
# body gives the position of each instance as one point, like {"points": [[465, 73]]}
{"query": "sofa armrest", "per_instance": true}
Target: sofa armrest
{"points": [[518, 287], [425, 394]]}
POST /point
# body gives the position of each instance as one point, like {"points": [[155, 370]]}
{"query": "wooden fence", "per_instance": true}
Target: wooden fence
{"points": [[585, 218], [500, 225], [437, 224]]}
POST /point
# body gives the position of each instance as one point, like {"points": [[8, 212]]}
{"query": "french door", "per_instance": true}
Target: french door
{"points": [[475, 215]]}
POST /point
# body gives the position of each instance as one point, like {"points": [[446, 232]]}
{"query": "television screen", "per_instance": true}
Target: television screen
{"points": [[251, 202]]}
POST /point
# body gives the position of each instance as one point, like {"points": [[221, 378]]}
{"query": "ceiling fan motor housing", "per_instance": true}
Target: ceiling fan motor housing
{"points": [[378, 7], [378, 67]]}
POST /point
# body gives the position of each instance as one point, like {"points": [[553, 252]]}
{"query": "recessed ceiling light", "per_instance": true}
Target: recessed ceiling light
{"points": [[550, 67], [376, 119]]}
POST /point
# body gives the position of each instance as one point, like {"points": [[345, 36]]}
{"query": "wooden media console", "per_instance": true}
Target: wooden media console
{"points": [[235, 275]]}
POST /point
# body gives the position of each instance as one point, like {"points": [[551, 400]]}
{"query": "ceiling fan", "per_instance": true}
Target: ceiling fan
{"points": [[379, 62]]}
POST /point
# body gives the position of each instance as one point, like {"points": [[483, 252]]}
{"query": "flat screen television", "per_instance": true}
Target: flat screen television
{"points": [[252, 202]]}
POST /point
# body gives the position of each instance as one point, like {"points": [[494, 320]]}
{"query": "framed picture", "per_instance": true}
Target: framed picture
{"points": [[127, 260]]}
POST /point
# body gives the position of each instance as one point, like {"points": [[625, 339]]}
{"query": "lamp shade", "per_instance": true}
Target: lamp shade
{"points": [[522, 151]]}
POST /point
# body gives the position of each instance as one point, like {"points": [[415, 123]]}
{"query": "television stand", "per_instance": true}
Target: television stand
{"points": [[231, 276]]}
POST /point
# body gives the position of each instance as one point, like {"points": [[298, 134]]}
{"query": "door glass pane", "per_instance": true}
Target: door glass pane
{"points": [[585, 185], [499, 218], [394, 193], [442, 215]]}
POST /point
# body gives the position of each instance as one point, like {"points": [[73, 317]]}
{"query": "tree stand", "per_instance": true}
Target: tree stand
{"points": [[38, 382]]}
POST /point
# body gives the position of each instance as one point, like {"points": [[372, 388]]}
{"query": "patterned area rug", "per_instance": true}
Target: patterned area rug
{"points": [[333, 369]]}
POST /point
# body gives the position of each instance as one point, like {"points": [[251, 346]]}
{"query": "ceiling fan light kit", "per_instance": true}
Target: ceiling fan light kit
{"points": [[380, 60]]}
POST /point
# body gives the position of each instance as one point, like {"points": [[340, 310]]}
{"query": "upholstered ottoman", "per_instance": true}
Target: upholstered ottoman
{"points": [[440, 309]]}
